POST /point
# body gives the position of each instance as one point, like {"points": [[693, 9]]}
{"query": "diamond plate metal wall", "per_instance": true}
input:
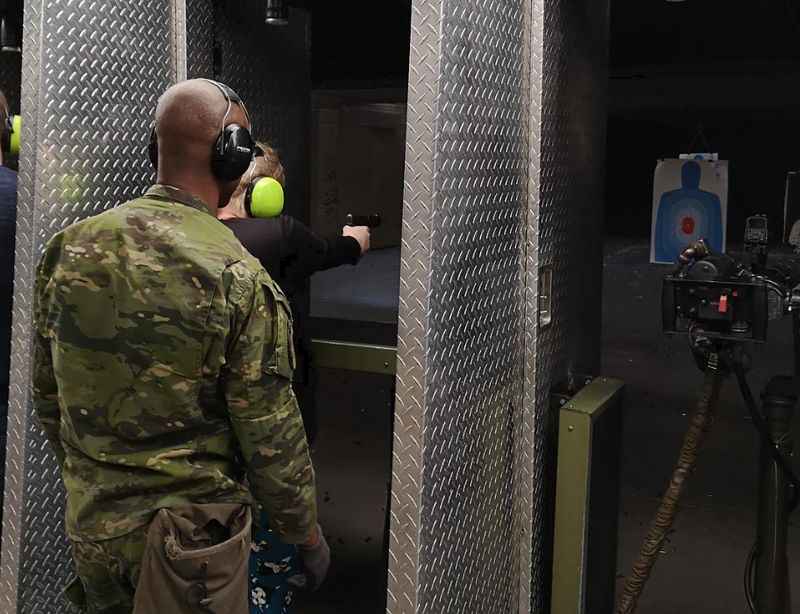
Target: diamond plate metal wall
{"points": [[91, 79], [200, 38], [568, 117], [456, 529], [529, 486], [270, 68]]}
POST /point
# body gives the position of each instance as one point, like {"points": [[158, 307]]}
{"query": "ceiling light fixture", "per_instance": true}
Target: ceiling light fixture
{"points": [[277, 13]]}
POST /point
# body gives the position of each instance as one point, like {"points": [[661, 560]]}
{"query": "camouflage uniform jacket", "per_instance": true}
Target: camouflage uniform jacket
{"points": [[162, 371]]}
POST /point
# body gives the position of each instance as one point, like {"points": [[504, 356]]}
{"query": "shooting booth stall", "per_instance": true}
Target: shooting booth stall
{"points": [[502, 192]]}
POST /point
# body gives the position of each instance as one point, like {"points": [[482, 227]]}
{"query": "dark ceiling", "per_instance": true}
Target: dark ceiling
{"points": [[360, 40], [704, 32], [365, 40]]}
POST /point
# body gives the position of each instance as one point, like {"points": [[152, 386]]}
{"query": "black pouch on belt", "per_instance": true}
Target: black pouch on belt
{"points": [[196, 561]]}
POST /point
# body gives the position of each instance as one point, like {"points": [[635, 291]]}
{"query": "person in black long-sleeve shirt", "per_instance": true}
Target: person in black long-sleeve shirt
{"points": [[291, 253]]}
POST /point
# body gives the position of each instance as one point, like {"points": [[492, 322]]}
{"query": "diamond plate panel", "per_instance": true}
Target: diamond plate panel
{"points": [[270, 68], [178, 30], [92, 77], [200, 38], [529, 515], [17, 424], [456, 526], [412, 342], [570, 51]]}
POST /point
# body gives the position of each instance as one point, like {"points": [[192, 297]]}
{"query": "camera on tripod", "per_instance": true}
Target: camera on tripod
{"points": [[718, 297], [722, 303]]}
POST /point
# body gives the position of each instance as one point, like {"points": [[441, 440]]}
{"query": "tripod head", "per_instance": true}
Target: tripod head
{"points": [[715, 296], [731, 355]]}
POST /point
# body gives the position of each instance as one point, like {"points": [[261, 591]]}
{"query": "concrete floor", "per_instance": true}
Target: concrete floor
{"points": [[352, 462], [702, 565]]}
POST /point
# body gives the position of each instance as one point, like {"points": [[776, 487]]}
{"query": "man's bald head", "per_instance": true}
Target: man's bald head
{"points": [[189, 118], [188, 121]]}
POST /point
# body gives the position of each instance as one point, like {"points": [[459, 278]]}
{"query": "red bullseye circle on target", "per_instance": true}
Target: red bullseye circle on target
{"points": [[687, 225]]}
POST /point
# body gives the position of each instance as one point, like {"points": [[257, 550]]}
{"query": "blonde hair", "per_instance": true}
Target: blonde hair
{"points": [[268, 165]]}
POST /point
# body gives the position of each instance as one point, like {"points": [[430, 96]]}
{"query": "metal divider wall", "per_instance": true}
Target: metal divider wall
{"points": [[570, 72], [504, 161], [91, 79], [457, 527]]}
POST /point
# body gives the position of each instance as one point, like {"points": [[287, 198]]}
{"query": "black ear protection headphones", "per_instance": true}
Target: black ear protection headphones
{"points": [[234, 148]]}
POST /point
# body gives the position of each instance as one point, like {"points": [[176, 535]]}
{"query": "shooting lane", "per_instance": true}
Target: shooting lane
{"points": [[681, 87], [502, 143]]}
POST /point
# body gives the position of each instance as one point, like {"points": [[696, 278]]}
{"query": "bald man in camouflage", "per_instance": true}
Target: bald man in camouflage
{"points": [[162, 378]]}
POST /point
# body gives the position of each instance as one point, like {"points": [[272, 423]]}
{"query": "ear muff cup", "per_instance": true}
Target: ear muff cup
{"points": [[264, 198], [152, 148], [233, 153], [234, 148], [230, 157], [16, 132], [11, 134]]}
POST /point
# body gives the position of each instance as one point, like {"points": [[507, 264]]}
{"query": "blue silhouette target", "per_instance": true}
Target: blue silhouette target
{"points": [[687, 213]]}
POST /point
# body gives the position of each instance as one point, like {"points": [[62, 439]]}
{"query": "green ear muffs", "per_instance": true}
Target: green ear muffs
{"points": [[16, 129], [264, 198], [11, 134]]}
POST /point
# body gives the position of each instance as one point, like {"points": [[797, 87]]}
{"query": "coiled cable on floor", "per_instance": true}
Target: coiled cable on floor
{"points": [[699, 426]]}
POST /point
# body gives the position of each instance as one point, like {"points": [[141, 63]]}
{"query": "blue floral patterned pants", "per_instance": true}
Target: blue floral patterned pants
{"points": [[272, 563]]}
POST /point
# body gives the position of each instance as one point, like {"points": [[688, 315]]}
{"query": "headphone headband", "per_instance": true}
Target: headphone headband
{"points": [[231, 98]]}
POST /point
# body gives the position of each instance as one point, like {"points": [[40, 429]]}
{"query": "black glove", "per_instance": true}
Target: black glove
{"points": [[316, 561]]}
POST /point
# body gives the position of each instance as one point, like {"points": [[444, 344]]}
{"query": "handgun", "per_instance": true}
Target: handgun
{"points": [[371, 221]]}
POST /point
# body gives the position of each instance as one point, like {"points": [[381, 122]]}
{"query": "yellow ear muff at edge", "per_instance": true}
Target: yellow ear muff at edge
{"points": [[16, 128]]}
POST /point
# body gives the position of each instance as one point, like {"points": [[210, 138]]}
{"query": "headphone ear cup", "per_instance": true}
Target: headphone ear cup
{"points": [[264, 198], [15, 135], [232, 153], [152, 149]]}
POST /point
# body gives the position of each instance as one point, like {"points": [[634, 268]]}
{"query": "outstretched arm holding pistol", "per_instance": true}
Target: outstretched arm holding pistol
{"points": [[310, 253]]}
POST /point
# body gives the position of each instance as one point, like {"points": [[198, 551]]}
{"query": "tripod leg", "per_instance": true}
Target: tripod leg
{"points": [[796, 340], [772, 565]]}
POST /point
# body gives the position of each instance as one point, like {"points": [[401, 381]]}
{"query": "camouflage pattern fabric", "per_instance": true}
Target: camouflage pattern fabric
{"points": [[108, 572], [163, 359]]}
